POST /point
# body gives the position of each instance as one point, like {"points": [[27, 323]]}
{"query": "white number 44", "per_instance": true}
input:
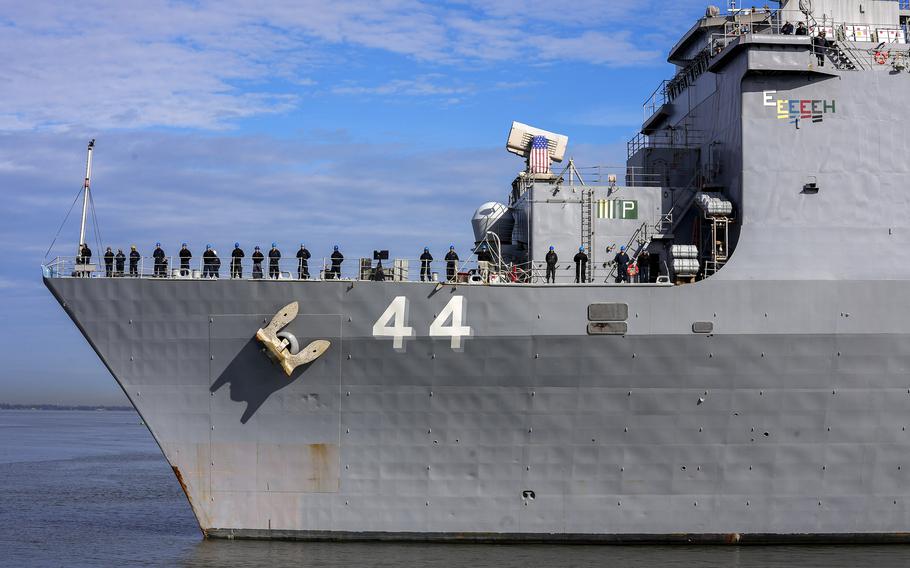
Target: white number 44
{"points": [[397, 313], [454, 310], [449, 323]]}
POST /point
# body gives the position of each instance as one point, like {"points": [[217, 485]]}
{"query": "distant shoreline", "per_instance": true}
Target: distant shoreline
{"points": [[98, 407]]}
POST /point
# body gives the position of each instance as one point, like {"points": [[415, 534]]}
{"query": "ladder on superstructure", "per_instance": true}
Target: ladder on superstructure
{"points": [[587, 229]]}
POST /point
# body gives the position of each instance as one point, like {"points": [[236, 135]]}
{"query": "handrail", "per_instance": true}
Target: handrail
{"points": [[398, 270]]}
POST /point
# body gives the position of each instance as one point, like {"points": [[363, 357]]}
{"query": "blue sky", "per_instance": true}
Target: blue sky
{"points": [[373, 124]]}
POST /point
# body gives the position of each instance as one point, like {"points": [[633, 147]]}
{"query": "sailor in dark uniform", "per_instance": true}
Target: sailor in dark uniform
{"points": [[120, 260], [160, 262], [425, 259], [185, 256], [216, 265], [644, 267], [109, 262], [207, 256], [622, 265], [451, 259], [258, 257], [581, 266], [551, 259], [134, 261], [303, 267], [237, 261], [85, 257], [337, 259], [274, 257]]}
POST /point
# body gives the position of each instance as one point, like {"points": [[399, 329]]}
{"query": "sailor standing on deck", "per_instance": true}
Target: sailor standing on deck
{"points": [[820, 45], [425, 259], [120, 259], [185, 256], [581, 266], [109, 262], [622, 265], [451, 258], [551, 259], [303, 267], [258, 257], [337, 259], [274, 257], [644, 267], [158, 255], [207, 264], [134, 261], [236, 261], [85, 257]]}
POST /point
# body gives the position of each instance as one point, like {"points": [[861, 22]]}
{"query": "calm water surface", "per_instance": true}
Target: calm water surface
{"points": [[92, 489]]}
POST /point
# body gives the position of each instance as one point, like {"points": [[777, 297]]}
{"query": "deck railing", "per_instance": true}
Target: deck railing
{"points": [[357, 269]]}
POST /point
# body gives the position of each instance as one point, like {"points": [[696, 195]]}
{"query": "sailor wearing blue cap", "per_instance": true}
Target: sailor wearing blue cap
{"points": [[622, 265], [451, 260], [552, 258], [425, 259], [303, 268], [185, 256], [581, 266], [274, 257], [237, 261], [337, 259], [208, 262], [160, 262]]}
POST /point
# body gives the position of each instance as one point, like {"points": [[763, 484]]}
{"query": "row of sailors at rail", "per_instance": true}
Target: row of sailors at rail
{"points": [[626, 269], [211, 263], [114, 264]]}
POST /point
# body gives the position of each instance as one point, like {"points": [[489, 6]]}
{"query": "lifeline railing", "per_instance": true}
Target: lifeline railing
{"points": [[289, 268], [353, 270], [865, 46]]}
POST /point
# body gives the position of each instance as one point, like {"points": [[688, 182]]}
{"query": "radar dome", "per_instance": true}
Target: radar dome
{"points": [[493, 217]]}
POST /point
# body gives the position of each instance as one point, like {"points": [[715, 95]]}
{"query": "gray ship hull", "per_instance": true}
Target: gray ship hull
{"points": [[789, 421]]}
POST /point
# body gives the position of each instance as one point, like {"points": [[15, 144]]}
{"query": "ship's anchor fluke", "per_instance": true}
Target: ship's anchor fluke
{"points": [[283, 348]]}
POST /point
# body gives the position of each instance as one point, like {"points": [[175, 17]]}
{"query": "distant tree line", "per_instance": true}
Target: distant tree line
{"points": [[6, 406]]}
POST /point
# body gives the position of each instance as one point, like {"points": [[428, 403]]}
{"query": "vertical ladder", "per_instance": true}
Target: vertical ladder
{"points": [[587, 228]]}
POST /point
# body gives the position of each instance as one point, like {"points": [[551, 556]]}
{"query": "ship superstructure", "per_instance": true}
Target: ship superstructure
{"points": [[755, 386]]}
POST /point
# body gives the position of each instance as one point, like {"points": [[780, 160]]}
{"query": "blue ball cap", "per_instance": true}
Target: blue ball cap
{"points": [[257, 247], [236, 245], [552, 248], [336, 247], [157, 244], [622, 247], [426, 249], [451, 247], [208, 245], [274, 245], [184, 244], [581, 249]]}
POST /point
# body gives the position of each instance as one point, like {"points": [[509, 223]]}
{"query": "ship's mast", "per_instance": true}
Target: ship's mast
{"points": [[85, 196]]}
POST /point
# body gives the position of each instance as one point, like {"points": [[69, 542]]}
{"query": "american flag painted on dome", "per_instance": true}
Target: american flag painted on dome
{"points": [[539, 160]]}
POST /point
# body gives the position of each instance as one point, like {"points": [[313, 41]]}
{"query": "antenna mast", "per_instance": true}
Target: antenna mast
{"points": [[85, 196]]}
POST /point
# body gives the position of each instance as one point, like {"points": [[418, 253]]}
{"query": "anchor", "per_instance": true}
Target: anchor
{"points": [[281, 346]]}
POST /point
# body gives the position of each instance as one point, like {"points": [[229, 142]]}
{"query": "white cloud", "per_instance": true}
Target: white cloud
{"points": [[206, 64], [428, 85]]}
